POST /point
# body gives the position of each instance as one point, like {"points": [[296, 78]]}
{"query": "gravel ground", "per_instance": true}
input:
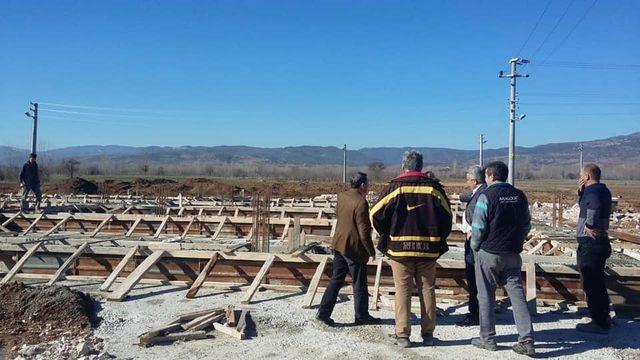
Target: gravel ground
{"points": [[284, 330]]}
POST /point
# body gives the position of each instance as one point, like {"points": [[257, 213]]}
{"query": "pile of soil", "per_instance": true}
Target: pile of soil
{"points": [[72, 186], [32, 315]]}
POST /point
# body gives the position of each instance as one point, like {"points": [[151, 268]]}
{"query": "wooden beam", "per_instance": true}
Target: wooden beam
{"points": [[102, 224], [118, 269], [530, 271], [133, 227], [203, 276], [63, 268], [33, 224], [286, 229], [186, 229], [219, 229], [161, 227], [376, 286], [58, 225], [229, 331], [10, 220], [135, 276], [258, 279], [231, 315], [313, 285], [14, 270]]}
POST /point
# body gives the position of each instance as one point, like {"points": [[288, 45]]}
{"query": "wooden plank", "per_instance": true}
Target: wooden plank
{"points": [[33, 224], [376, 286], [286, 229], [10, 220], [202, 276], [195, 314], [242, 321], [63, 268], [161, 227], [133, 227], [219, 229], [229, 331], [258, 279], [195, 335], [313, 285], [58, 225], [118, 269], [231, 315], [530, 273], [102, 224], [135, 276], [186, 229], [14, 270], [202, 322]]}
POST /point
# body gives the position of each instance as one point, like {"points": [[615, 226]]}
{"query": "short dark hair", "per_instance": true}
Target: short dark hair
{"points": [[498, 170], [358, 180], [593, 170], [33, 155], [412, 160]]}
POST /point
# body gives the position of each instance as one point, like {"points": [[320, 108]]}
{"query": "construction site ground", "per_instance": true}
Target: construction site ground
{"points": [[284, 330]]}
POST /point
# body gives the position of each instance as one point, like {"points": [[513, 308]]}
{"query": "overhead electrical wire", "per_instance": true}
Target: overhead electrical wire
{"points": [[593, 4], [544, 41], [534, 28]]}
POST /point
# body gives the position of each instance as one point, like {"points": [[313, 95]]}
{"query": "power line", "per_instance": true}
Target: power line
{"points": [[105, 115], [553, 29], [593, 4], [534, 28], [590, 66], [94, 121], [86, 107]]}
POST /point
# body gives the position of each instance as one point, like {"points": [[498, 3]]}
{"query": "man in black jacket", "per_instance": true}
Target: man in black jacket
{"points": [[594, 247], [501, 222], [30, 182], [475, 180]]}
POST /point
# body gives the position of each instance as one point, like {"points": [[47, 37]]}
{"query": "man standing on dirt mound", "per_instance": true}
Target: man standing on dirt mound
{"points": [[352, 247], [413, 218], [593, 247], [30, 181]]}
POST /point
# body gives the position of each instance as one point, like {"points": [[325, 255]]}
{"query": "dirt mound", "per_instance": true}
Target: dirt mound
{"points": [[31, 315], [72, 186]]}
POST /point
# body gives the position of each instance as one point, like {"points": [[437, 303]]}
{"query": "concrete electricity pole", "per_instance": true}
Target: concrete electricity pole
{"points": [[482, 142], [33, 113], [344, 164], [581, 150], [512, 114]]}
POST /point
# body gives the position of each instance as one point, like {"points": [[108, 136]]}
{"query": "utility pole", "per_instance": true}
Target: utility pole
{"points": [[344, 164], [33, 113], [482, 142], [581, 150], [512, 114]]}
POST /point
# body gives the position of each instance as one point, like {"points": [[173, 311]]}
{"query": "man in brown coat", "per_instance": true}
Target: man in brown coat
{"points": [[352, 249]]}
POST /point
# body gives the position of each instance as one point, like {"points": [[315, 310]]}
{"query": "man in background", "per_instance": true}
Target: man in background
{"points": [[475, 180], [30, 182], [594, 248], [414, 216], [352, 247], [501, 222]]}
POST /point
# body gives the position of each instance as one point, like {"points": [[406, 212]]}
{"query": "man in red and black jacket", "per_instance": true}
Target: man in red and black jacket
{"points": [[413, 218]]}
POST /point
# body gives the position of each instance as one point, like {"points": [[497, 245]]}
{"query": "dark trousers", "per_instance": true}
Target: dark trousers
{"points": [[35, 189], [470, 272], [341, 266], [592, 256]]}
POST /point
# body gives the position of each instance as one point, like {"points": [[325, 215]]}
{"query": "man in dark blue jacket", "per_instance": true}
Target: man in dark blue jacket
{"points": [[594, 247], [501, 222], [475, 180], [30, 181]]}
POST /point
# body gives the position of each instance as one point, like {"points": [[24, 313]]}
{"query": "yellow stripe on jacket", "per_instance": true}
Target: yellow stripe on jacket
{"points": [[410, 190]]}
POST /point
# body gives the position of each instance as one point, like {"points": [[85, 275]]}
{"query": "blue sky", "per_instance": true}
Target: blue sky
{"points": [[284, 73]]}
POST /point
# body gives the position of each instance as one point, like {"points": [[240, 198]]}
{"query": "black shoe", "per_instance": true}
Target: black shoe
{"points": [[477, 342], [368, 320], [403, 342], [524, 348], [468, 321], [327, 321], [427, 340]]}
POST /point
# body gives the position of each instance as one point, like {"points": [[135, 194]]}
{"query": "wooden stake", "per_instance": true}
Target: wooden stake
{"points": [[58, 225], [14, 270], [114, 274], [63, 268], [202, 276], [313, 285], [135, 276], [376, 286], [102, 224], [530, 271], [33, 224], [258, 279]]}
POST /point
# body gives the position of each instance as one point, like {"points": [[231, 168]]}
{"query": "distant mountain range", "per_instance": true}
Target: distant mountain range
{"points": [[623, 149]]}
